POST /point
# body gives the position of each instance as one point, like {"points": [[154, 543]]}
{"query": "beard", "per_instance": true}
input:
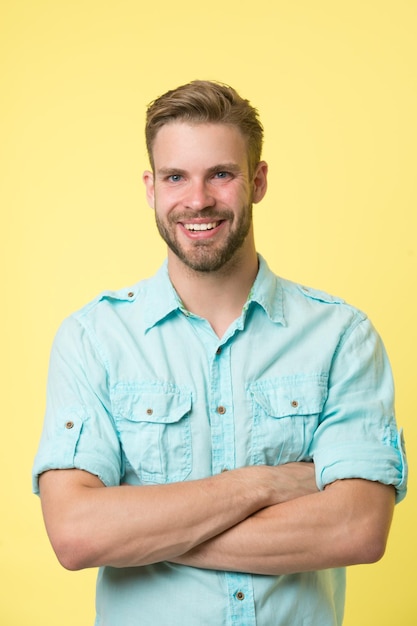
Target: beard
{"points": [[206, 255]]}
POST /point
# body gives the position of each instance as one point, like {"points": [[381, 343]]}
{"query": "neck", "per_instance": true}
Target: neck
{"points": [[216, 296]]}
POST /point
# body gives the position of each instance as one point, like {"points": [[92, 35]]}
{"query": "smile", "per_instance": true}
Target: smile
{"points": [[199, 227]]}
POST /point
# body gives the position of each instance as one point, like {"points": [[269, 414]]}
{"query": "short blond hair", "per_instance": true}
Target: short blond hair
{"points": [[201, 102]]}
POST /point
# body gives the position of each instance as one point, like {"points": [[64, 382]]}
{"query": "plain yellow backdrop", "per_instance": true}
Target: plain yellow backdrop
{"points": [[335, 84]]}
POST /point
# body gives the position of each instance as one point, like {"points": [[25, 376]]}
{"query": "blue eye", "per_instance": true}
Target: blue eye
{"points": [[175, 178], [222, 175]]}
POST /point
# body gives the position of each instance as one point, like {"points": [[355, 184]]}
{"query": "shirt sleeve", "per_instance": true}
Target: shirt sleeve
{"points": [[78, 429], [357, 436]]}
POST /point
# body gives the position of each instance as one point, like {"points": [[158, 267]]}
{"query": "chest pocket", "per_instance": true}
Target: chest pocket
{"points": [[153, 423], [286, 414]]}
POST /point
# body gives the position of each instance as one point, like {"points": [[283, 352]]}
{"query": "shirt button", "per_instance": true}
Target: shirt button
{"points": [[294, 403], [149, 411], [69, 425], [221, 410], [240, 595], [219, 351], [130, 294]]}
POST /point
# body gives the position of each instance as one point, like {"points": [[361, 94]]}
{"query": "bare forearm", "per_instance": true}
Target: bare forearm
{"points": [[313, 532], [91, 525]]}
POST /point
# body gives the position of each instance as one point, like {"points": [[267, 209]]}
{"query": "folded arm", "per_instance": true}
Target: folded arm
{"points": [[345, 524], [91, 525]]}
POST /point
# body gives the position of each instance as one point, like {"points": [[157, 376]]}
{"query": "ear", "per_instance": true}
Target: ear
{"points": [[150, 188], [260, 183]]}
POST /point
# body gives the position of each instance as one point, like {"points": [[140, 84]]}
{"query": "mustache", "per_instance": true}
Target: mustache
{"points": [[214, 216]]}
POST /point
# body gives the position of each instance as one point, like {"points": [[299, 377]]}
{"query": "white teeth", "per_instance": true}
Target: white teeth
{"points": [[208, 226]]}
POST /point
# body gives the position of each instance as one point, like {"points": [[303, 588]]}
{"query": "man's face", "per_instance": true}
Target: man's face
{"points": [[202, 193]]}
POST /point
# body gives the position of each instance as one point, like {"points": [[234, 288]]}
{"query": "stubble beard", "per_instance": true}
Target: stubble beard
{"points": [[205, 255]]}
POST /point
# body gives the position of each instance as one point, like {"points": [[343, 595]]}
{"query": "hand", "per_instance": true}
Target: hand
{"points": [[294, 480], [269, 485]]}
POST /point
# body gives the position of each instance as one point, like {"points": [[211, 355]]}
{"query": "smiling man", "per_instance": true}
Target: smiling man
{"points": [[220, 441], [204, 207]]}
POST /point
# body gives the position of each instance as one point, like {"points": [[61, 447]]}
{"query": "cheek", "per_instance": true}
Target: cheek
{"points": [[231, 196], [166, 199]]}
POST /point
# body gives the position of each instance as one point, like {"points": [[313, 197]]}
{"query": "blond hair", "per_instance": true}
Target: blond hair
{"points": [[200, 102]]}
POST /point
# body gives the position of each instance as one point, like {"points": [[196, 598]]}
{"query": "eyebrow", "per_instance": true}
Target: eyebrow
{"points": [[234, 168], [169, 171]]}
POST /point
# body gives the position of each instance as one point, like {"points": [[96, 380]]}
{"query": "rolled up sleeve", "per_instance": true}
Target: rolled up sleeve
{"points": [[357, 436], [78, 429]]}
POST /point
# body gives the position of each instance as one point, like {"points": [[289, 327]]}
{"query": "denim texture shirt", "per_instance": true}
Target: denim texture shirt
{"points": [[141, 391]]}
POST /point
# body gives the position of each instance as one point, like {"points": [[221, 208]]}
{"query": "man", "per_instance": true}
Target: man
{"points": [[218, 440]]}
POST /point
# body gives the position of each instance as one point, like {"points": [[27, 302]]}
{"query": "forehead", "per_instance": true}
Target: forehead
{"points": [[184, 144]]}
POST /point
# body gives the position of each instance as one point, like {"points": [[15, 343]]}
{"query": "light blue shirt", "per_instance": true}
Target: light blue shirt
{"points": [[142, 391]]}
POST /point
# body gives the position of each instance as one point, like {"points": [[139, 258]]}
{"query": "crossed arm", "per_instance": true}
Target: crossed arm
{"points": [[346, 524], [258, 519]]}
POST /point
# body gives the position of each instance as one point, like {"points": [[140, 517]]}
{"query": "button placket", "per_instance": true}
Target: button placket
{"points": [[241, 599], [222, 422]]}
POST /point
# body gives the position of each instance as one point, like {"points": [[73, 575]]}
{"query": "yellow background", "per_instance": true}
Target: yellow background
{"points": [[335, 83]]}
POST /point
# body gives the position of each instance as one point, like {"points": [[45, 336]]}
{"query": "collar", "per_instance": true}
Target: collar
{"points": [[267, 292], [161, 299]]}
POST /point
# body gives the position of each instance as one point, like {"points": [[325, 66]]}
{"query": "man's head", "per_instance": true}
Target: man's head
{"points": [[202, 102], [204, 144]]}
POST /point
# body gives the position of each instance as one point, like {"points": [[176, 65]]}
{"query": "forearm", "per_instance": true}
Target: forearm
{"points": [[346, 524], [91, 525]]}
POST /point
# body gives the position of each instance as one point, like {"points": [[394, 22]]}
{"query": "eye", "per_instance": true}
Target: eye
{"points": [[222, 175], [174, 178]]}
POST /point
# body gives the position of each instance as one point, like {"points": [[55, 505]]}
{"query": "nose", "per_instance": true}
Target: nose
{"points": [[198, 195]]}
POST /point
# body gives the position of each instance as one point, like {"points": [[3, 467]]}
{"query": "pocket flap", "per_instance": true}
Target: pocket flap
{"points": [[162, 408], [288, 397]]}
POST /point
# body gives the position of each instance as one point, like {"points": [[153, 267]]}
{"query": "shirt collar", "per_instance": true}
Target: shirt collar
{"points": [[268, 293], [161, 298]]}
